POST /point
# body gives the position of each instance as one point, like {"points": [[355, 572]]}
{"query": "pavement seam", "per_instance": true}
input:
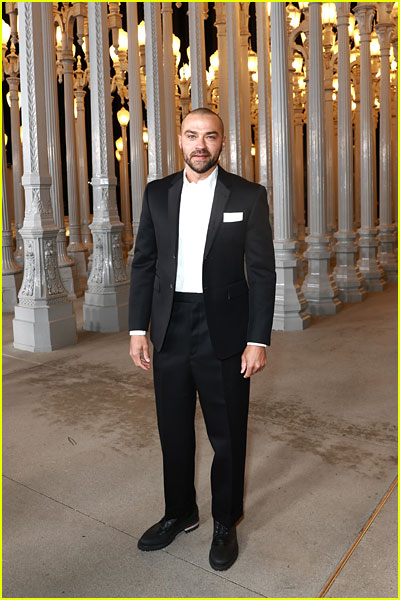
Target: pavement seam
{"points": [[132, 536], [21, 358], [358, 539], [217, 575]]}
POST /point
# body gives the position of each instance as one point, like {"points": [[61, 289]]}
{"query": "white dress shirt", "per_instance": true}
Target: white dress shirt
{"points": [[194, 216]]}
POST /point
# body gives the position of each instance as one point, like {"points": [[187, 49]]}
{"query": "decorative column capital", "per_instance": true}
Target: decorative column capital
{"points": [[383, 10], [114, 21], [220, 17], [342, 12], [12, 10], [13, 84], [166, 7], [11, 62], [244, 18], [384, 32], [80, 100], [81, 77], [298, 115], [67, 59], [364, 13]]}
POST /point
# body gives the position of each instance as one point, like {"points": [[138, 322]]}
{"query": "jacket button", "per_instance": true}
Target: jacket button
{"points": [[174, 257], [171, 286]]}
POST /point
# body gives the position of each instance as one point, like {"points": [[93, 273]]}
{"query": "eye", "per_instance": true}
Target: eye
{"points": [[211, 137]]}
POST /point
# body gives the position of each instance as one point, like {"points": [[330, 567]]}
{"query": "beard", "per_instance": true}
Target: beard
{"points": [[212, 160]]}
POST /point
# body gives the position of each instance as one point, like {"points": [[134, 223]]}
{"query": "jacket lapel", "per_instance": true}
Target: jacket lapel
{"points": [[174, 201], [221, 195]]}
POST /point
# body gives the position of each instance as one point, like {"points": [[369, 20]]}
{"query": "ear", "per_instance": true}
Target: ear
{"points": [[223, 141], [180, 141]]}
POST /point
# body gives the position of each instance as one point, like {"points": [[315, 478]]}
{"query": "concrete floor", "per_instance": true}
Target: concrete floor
{"points": [[82, 469]]}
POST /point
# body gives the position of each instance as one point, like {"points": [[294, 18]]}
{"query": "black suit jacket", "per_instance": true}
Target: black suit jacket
{"points": [[238, 265]]}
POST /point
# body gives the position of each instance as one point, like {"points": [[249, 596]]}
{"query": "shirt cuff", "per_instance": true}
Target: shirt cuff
{"points": [[137, 332], [256, 344]]}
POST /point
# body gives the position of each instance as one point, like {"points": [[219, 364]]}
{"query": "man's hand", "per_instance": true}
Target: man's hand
{"points": [[254, 359], [139, 351]]}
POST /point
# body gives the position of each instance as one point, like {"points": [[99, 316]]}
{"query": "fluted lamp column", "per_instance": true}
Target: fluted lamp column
{"points": [[299, 167], [19, 200], [11, 70], [386, 227], [233, 128], [395, 120], [290, 303], [106, 300], [198, 54], [127, 234], [318, 288], [11, 271], [220, 24], [346, 273], [298, 158], [169, 87], [374, 49], [76, 249], [44, 318], [328, 21], [119, 152], [157, 147], [264, 96], [248, 171], [137, 151], [66, 265], [368, 264], [81, 79], [357, 153]]}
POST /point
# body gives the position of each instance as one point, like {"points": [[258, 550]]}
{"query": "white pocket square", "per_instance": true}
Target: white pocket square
{"points": [[233, 217]]}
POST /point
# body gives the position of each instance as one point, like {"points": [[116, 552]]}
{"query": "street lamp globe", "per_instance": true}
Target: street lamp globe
{"points": [[123, 117]]}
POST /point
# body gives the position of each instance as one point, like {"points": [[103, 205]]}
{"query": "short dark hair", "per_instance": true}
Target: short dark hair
{"points": [[205, 111]]}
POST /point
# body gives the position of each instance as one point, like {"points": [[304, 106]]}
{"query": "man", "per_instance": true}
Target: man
{"points": [[199, 230]]}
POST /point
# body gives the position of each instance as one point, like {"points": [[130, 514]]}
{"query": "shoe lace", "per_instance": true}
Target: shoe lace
{"points": [[220, 532], [165, 524]]}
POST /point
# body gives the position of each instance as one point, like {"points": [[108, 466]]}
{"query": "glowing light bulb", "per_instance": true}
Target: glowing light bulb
{"points": [[5, 32], [122, 40], [141, 34]]}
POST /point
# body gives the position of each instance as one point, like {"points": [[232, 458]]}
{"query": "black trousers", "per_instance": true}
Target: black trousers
{"points": [[186, 364]]}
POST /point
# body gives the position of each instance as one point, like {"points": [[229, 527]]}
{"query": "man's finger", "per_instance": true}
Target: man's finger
{"points": [[142, 365], [139, 361], [136, 359], [248, 371], [145, 363], [243, 365], [146, 355]]}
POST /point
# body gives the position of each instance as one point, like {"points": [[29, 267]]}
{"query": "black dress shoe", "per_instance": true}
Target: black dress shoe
{"points": [[165, 531], [224, 548]]}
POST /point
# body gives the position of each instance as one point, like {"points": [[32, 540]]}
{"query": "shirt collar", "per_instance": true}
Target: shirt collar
{"points": [[209, 182]]}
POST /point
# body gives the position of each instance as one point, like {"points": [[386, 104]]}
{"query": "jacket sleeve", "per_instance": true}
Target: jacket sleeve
{"points": [[260, 266], [143, 270]]}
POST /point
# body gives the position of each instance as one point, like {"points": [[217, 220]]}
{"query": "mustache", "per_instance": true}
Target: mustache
{"points": [[200, 153]]}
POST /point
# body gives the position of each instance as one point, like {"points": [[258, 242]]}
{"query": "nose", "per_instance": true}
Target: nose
{"points": [[200, 143]]}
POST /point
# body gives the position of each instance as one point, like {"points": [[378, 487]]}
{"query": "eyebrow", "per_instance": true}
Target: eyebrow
{"points": [[196, 132]]}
